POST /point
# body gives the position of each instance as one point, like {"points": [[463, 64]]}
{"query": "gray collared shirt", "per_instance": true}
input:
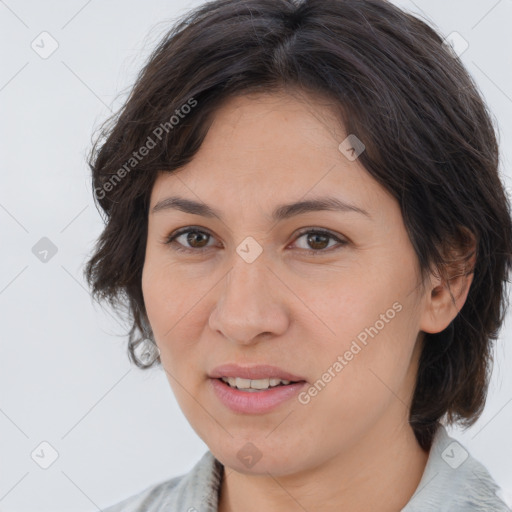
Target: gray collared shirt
{"points": [[453, 481]]}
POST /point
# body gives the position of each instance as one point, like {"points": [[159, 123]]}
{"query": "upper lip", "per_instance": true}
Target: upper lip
{"points": [[260, 371]]}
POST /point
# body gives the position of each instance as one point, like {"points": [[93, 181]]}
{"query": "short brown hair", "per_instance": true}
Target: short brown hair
{"points": [[429, 141]]}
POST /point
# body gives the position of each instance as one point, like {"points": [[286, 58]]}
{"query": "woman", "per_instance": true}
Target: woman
{"points": [[305, 218]]}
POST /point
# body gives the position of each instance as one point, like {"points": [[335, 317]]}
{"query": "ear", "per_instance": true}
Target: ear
{"points": [[447, 291]]}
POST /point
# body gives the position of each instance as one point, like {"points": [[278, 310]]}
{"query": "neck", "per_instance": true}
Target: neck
{"points": [[380, 472]]}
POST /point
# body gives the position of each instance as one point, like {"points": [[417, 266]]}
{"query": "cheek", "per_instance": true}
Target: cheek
{"points": [[162, 303], [173, 310], [369, 352], [163, 289], [156, 299], [359, 383], [350, 308]]}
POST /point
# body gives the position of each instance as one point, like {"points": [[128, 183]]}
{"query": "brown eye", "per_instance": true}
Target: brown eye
{"points": [[318, 240], [196, 240], [192, 240], [197, 237]]}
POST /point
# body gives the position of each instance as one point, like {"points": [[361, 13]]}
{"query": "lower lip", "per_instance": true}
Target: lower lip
{"points": [[254, 402]]}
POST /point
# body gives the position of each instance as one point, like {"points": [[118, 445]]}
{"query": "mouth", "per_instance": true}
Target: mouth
{"points": [[255, 385], [256, 389], [257, 373]]}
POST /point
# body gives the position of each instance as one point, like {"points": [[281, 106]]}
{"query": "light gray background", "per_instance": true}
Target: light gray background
{"points": [[64, 375]]}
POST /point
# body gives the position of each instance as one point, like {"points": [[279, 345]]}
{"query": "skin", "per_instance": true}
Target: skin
{"points": [[351, 447]]}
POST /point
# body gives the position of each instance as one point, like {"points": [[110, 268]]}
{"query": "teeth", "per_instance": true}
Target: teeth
{"points": [[257, 384]]}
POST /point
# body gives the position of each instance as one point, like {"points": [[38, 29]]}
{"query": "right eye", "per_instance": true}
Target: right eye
{"points": [[194, 236]]}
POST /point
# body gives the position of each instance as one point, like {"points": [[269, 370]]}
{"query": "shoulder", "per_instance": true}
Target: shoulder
{"points": [[454, 480], [188, 492]]}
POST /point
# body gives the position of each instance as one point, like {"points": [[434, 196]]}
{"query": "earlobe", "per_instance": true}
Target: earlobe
{"points": [[448, 291]]}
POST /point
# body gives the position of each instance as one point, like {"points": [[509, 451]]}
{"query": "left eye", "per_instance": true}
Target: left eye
{"points": [[317, 239]]}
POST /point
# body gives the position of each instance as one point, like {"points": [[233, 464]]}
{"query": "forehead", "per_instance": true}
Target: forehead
{"points": [[273, 124], [272, 148]]}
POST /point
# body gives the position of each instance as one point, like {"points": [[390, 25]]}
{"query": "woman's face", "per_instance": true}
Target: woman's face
{"points": [[341, 311]]}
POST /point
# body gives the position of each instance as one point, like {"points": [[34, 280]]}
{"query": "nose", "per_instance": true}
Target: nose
{"points": [[251, 304]]}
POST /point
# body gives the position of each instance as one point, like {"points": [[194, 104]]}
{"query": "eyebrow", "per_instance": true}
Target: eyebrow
{"points": [[281, 212]]}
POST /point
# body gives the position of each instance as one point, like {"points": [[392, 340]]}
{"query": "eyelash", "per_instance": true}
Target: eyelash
{"points": [[170, 240]]}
